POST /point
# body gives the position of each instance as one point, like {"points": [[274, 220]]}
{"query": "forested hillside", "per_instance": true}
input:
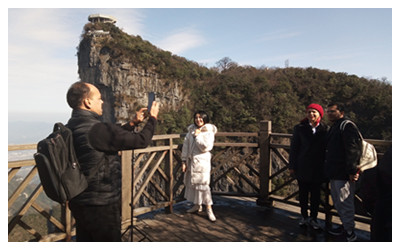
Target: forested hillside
{"points": [[238, 97]]}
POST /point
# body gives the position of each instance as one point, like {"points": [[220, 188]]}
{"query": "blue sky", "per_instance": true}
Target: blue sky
{"points": [[42, 43]]}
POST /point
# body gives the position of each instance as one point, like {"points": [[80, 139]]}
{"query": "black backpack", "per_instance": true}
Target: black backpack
{"points": [[59, 170]]}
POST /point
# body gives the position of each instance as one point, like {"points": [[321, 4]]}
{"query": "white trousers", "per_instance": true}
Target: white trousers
{"points": [[198, 196]]}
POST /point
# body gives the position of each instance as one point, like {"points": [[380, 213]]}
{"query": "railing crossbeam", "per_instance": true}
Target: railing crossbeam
{"points": [[150, 175], [22, 186]]}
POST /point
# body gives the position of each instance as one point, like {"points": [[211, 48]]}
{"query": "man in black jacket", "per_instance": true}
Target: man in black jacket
{"points": [[342, 155], [97, 210]]}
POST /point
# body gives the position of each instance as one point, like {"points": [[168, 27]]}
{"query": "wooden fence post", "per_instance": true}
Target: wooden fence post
{"points": [[170, 169], [265, 163], [126, 188]]}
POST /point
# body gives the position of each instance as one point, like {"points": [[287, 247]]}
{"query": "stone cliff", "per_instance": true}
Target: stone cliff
{"points": [[123, 83]]}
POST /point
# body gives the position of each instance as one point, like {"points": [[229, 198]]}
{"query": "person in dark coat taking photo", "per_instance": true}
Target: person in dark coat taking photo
{"points": [[306, 162], [97, 210]]}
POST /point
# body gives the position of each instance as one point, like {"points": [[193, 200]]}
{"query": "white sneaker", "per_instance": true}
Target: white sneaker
{"points": [[195, 208], [211, 215]]}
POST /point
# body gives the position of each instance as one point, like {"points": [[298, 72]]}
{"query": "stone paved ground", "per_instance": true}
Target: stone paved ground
{"points": [[238, 220]]}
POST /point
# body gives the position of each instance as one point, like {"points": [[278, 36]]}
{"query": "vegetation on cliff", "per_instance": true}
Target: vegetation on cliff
{"points": [[238, 97]]}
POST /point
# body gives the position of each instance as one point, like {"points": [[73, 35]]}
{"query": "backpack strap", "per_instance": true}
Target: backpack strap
{"points": [[345, 122], [68, 139]]}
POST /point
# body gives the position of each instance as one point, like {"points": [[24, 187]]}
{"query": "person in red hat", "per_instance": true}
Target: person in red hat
{"points": [[306, 162]]}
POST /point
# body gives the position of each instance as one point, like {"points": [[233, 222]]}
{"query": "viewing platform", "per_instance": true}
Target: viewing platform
{"points": [[100, 18], [255, 197], [239, 219]]}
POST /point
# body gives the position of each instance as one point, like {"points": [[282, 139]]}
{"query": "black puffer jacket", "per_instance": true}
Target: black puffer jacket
{"points": [[97, 145], [307, 152], [343, 151]]}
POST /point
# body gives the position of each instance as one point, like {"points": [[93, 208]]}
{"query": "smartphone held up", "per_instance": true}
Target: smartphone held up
{"points": [[151, 99], [153, 104]]}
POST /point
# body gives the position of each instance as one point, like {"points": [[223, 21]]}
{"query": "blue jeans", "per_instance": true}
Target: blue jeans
{"points": [[343, 199]]}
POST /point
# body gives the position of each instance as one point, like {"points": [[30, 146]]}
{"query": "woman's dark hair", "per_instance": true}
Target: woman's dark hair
{"points": [[203, 116], [77, 93]]}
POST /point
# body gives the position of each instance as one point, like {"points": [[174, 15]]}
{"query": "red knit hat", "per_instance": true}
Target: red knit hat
{"points": [[316, 107]]}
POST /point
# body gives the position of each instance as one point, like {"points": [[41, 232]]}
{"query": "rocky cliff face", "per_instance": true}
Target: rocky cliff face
{"points": [[123, 86]]}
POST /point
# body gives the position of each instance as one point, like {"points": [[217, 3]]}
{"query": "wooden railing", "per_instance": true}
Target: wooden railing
{"points": [[30, 190], [279, 146], [158, 178], [243, 164]]}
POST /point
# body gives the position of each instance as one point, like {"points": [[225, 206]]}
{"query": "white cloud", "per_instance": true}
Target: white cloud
{"points": [[41, 58], [40, 27], [182, 41]]}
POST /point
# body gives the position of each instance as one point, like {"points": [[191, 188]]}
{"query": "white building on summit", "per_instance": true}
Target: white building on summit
{"points": [[99, 18]]}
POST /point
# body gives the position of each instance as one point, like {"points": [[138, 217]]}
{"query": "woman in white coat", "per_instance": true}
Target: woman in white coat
{"points": [[196, 164]]}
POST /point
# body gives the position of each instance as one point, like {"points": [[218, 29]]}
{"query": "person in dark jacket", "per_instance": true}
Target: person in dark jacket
{"points": [[342, 155], [381, 226], [97, 210], [306, 161]]}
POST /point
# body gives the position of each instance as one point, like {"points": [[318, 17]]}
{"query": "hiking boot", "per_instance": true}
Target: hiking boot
{"points": [[211, 215], [336, 231], [314, 223], [303, 222], [351, 237], [194, 209]]}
